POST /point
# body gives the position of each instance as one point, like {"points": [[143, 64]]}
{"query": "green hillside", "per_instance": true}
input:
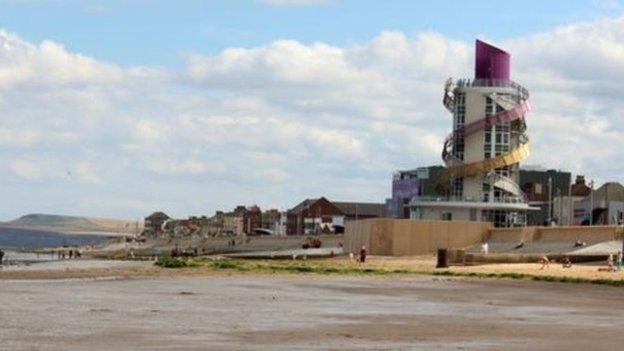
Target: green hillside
{"points": [[68, 223]]}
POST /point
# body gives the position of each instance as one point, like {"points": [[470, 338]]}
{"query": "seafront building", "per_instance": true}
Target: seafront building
{"points": [[408, 184], [602, 206], [483, 152], [541, 187], [322, 216]]}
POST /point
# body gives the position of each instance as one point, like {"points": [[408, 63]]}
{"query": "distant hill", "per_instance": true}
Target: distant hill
{"points": [[68, 224]]}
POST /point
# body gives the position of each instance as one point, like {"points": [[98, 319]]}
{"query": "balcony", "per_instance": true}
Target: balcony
{"points": [[498, 200]]}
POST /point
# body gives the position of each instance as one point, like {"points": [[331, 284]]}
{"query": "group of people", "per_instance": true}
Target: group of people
{"points": [[189, 252], [68, 254], [361, 257], [614, 265], [545, 262]]}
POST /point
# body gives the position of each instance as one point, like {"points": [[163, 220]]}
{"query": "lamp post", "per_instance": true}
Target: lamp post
{"points": [[571, 203], [622, 232], [549, 201], [560, 212], [591, 201]]}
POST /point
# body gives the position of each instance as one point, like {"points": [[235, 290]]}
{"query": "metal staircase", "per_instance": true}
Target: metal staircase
{"points": [[514, 106]]}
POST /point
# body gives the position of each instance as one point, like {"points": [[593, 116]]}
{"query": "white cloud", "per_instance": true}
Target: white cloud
{"points": [[83, 171], [26, 169], [282, 121]]}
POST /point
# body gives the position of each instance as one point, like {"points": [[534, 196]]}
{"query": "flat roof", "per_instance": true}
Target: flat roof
{"points": [[478, 205]]}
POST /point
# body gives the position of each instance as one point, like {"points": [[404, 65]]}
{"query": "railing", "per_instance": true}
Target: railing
{"points": [[496, 200], [494, 83]]}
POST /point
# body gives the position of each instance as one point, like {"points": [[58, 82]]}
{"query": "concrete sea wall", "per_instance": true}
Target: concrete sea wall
{"points": [[404, 237]]}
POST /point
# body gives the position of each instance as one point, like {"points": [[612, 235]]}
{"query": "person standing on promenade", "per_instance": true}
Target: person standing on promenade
{"points": [[363, 254], [619, 261]]}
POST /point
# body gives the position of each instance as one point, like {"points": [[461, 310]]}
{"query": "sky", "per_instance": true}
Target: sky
{"points": [[120, 108]]}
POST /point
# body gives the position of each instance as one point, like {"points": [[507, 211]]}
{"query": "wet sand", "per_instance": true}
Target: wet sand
{"points": [[307, 312], [67, 269]]}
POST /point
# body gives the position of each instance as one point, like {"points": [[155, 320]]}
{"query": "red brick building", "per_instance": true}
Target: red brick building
{"points": [[252, 219], [321, 216]]}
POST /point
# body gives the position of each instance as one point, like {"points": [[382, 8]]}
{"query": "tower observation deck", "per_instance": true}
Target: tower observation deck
{"points": [[484, 149]]}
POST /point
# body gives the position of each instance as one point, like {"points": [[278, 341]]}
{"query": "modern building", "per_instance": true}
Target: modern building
{"points": [[541, 188], [566, 208], [483, 152], [409, 184]]}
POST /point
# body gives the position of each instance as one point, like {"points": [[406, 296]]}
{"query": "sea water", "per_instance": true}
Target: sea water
{"points": [[35, 239]]}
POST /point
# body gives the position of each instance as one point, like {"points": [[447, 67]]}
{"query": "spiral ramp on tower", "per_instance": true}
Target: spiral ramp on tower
{"points": [[514, 108]]}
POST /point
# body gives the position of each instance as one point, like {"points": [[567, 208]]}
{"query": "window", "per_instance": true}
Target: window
{"points": [[458, 188], [458, 148], [538, 189], [498, 143], [500, 218], [504, 171], [460, 109], [447, 216], [489, 106]]}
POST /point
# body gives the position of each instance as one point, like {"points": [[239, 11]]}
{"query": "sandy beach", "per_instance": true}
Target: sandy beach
{"points": [[277, 312], [105, 304]]}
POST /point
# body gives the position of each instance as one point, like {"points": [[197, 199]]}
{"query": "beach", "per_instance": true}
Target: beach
{"points": [[114, 304], [305, 312]]}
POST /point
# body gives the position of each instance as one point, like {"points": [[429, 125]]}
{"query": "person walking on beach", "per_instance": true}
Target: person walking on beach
{"points": [[1, 256], [610, 266], [545, 262], [566, 262]]}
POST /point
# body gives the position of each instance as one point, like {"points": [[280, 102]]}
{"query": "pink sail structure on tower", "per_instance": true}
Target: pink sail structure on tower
{"points": [[491, 62]]}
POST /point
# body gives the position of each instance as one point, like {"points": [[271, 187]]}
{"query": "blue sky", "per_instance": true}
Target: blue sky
{"points": [[156, 32], [121, 108]]}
